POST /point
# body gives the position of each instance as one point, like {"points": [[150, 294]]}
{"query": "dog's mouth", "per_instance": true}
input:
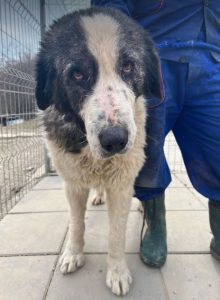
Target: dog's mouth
{"points": [[103, 154]]}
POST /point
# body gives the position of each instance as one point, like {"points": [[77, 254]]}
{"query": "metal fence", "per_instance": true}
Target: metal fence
{"points": [[21, 143], [22, 159], [21, 148]]}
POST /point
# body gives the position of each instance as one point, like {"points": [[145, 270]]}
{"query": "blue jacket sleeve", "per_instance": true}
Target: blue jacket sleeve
{"points": [[126, 6]]}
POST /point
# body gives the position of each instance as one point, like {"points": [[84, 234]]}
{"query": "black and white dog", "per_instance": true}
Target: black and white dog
{"points": [[95, 70]]}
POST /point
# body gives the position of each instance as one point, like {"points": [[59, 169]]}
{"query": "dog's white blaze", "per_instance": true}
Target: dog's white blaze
{"points": [[111, 95], [103, 35]]}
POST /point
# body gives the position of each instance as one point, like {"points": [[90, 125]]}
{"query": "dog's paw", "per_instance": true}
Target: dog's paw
{"points": [[70, 263], [140, 208], [97, 196], [119, 281], [98, 200]]}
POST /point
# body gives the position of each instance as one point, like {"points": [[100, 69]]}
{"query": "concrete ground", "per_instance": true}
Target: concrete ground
{"points": [[32, 236]]}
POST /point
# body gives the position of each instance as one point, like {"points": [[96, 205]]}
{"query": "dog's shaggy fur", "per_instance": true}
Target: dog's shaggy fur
{"points": [[95, 69]]}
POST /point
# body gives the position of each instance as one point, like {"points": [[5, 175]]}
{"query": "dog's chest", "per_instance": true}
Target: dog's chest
{"points": [[85, 170]]}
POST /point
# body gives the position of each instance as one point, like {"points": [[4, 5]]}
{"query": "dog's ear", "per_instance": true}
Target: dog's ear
{"points": [[45, 75], [153, 79]]}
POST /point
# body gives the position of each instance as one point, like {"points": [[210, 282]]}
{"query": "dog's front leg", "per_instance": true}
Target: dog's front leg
{"points": [[73, 257], [118, 275]]}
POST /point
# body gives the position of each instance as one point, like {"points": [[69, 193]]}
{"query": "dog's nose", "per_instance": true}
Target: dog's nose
{"points": [[113, 139]]}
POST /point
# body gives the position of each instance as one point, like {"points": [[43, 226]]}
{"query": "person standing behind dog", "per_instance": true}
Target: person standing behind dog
{"points": [[187, 34]]}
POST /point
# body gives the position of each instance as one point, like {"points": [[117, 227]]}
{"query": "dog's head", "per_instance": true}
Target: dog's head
{"points": [[93, 66]]}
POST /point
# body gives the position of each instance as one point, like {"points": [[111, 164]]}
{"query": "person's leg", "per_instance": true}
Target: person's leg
{"points": [[153, 248], [214, 219], [155, 176], [197, 132]]}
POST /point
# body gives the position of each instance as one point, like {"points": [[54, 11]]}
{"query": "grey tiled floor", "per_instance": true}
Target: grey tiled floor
{"points": [[33, 234]]}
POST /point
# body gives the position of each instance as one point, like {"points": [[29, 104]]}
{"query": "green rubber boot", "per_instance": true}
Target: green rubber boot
{"points": [[153, 249], [214, 219]]}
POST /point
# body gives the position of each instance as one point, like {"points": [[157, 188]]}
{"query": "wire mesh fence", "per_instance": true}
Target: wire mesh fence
{"points": [[21, 143], [57, 8], [21, 147], [173, 155], [22, 159]]}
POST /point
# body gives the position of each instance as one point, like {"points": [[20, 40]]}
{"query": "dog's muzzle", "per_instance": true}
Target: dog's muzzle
{"points": [[113, 139]]}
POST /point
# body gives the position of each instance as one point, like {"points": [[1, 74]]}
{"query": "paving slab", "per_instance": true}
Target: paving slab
{"points": [[37, 225], [177, 198], [200, 197], [56, 182], [49, 195], [25, 277], [183, 177], [32, 233], [55, 200], [182, 199], [176, 182], [135, 205], [188, 231], [89, 282], [96, 232], [49, 182], [42, 201], [192, 277]]}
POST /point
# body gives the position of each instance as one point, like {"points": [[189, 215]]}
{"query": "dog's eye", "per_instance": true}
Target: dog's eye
{"points": [[127, 68], [78, 76]]}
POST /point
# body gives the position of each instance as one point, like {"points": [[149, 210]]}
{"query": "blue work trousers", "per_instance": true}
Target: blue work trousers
{"points": [[192, 112]]}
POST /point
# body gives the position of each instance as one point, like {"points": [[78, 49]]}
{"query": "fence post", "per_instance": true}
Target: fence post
{"points": [[42, 17], [42, 30]]}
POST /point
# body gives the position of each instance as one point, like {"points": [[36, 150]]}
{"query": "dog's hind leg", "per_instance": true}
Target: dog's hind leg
{"points": [[73, 257], [98, 195], [118, 275]]}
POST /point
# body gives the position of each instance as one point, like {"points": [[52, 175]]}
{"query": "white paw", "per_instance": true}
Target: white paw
{"points": [[98, 200], [119, 281], [140, 208], [70, 263], [97, 196]]}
